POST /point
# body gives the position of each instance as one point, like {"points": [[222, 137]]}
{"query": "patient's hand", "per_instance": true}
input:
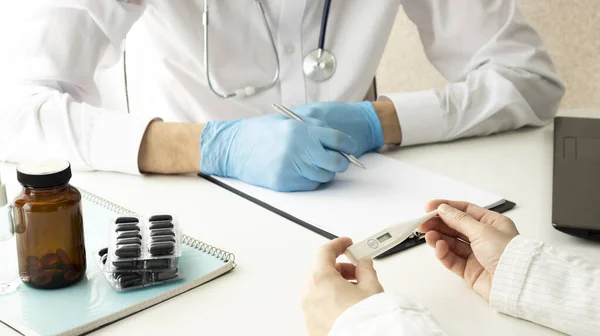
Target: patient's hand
{"points": [[469, 241], [329, 292]]}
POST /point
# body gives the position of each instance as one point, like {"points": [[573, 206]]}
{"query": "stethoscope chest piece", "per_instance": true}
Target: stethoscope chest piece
{"points": [[319, 65]]}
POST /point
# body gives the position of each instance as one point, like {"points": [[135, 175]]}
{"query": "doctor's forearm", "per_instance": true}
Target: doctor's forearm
{"points": [[392, 132], [170, 148]]}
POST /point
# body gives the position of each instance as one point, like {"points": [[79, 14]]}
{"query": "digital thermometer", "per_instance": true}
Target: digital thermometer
{"points": [[386, 239]]}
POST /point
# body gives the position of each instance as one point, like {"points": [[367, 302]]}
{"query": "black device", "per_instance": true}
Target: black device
{"points": [[576, 177]]}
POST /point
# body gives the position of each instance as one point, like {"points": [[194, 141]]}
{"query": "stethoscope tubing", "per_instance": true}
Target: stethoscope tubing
{"points": [[324, 21], [319, 64]]}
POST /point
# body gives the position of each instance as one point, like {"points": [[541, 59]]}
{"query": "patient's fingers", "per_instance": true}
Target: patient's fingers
{"points": [[473, 210], [460, 248], [449, 259], [437, 224]]}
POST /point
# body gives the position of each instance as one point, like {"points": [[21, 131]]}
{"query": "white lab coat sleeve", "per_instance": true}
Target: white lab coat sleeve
{"points": [[386, 314], [553, 288], [499, 72], [48, 97]]}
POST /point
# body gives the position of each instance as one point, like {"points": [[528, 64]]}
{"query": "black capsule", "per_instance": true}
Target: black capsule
{"points": [[161, 218], [157, 249], [127, 227], [130, 280], [116, 275], [128, 251], [129, 234], [125, 264], [129, 241], [158, 263], [162, 232], [162, 239], [161, 225], [103, 252], [127, 220], [163, 276]]}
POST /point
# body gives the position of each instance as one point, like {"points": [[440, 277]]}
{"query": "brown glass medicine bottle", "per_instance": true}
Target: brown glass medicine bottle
{"points": [[49, 226]]}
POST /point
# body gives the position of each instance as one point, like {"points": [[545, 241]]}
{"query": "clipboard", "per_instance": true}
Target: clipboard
{"points": [[414, 240]]}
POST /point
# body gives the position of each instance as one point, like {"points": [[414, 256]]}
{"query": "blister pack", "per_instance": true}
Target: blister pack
{"points": [[130, 279], [142, 252], [143, 244]]}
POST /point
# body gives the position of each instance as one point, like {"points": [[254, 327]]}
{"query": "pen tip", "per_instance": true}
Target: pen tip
{"points": [[358, 163]]}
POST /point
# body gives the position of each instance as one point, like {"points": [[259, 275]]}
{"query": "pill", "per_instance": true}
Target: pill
{"points": [[162, 276], [129, 234], [128, 251], [130, 280], [41, 279], [128, 241], [127, 220], [161, 225], [158, 263], [50, 260], [162, 248], [125, 264], [159, 239], [116, 274], [162, 232], [71, 275], [103, 251], [160, 218], [33, 263], [127, 227], [63, 257]]}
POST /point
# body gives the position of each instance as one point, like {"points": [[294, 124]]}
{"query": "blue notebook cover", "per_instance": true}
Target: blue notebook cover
{"points": [[92, 302]]}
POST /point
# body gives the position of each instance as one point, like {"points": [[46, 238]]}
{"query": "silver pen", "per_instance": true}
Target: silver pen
{"points": [[288, 113]]}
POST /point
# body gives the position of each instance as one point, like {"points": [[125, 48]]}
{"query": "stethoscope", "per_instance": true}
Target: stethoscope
{"points": [[318, 65]]}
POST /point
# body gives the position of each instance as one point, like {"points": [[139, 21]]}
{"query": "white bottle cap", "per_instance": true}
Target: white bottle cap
{"points": [[3, 200]]}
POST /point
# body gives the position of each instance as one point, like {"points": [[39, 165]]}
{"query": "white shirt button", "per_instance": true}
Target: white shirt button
{"points": [[289, 49]]}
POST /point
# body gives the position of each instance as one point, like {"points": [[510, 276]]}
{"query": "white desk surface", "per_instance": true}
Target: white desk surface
{"points": [[262, 295]]}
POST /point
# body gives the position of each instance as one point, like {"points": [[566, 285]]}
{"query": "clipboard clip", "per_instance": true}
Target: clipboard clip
{"points": [[415, 239]]}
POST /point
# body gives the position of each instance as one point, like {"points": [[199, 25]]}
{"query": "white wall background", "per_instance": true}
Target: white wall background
{"points": [[569, 28]]}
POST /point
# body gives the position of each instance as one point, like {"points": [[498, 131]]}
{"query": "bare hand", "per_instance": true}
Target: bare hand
{"points": [[469, 241], [331, 289]]}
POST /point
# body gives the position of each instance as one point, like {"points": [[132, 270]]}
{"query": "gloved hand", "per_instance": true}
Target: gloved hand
{"points": [[358, 120], [274, 152]]}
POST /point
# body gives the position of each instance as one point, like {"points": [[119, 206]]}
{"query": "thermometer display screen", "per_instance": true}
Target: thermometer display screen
{"points": [[384, 237]]}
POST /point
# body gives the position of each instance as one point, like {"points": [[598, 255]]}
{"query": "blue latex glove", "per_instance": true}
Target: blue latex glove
{"points": [[358, 120], [274, 152]]}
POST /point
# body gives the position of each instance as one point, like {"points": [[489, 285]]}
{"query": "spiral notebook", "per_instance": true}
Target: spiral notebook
{"points": [[92, 303]]}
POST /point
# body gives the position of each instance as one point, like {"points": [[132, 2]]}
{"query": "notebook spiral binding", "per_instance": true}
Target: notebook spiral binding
{"points": [[191, 242]]}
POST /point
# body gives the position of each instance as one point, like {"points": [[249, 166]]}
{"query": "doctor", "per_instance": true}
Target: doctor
{"points": [[200, 91]]}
